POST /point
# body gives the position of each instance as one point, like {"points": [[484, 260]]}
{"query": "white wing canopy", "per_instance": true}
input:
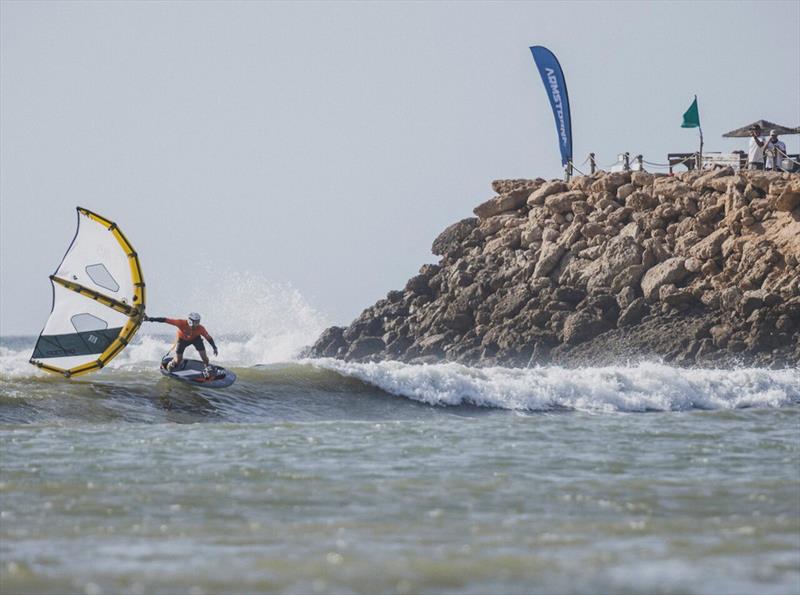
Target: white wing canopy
{"points": [[98, 300]]}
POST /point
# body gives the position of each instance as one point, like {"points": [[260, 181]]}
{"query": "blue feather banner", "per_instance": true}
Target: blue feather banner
{"points": [[556, 87]]}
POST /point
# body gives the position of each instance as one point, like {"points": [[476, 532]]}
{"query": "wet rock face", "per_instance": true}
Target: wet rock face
{"points": [[701, 268]]}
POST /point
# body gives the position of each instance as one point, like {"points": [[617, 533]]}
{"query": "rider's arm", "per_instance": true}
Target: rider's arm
{"points": [[209, 338], [172, 321]]}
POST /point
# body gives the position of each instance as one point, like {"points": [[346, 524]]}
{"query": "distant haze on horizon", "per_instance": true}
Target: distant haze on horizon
{"points": [[325, 145]]}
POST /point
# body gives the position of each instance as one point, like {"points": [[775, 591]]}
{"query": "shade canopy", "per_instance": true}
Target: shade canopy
{"points": [[766, 126]]}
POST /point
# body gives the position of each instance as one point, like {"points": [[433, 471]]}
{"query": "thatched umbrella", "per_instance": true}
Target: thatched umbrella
{"points": [[766, 126]]}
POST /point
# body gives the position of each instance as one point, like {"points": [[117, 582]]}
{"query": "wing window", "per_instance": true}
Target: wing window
{"points": [[100, 275], [86, 322]]}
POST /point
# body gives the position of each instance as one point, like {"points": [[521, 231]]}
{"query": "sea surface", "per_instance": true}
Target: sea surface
{"points": [[326, 477]]}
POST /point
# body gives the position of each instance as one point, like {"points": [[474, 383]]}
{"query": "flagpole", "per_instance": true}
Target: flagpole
{"points": [[700, 128], [700, 157]]}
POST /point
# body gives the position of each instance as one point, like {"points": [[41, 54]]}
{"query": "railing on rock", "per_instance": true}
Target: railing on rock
{"points": [[692, 161]]}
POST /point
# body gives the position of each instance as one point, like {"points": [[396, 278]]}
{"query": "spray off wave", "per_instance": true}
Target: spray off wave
{"points": [[644, 387], [262, 321], [258, 323]]}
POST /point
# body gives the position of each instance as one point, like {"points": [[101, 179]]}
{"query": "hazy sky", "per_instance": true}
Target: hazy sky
{"points": [[326, 144]]}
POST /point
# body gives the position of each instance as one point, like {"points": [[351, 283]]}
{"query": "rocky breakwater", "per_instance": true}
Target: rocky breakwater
{"points": [[700, 268]]}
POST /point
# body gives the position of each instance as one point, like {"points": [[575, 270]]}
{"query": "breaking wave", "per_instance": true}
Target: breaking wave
{"points": [[644, 387], [327, 390]]}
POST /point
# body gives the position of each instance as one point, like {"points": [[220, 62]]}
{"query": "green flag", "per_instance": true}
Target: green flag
{"points": [[691, 119]]}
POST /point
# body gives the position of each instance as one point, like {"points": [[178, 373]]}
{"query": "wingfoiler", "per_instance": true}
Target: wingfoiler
{"points": [[98, 300]]}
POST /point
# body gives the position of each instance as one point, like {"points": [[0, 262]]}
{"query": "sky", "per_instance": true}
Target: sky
{"points": [[324, 145]]}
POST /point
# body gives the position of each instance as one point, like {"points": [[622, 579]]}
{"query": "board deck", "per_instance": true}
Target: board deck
{"points": [[191, 372]]}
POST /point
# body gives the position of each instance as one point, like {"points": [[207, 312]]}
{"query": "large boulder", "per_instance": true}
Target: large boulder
{"points": [[678, 298], [510, 305], [450, 239], [711, 214], [611, 182], [506, 186], [633, 313], [627, 277], [625, 191], [756, 263], [642, 179], [537, 197], [329, 342], [789, 198], [641, 201], [671, 270], [762, 179], [755, 299], [619, 254], [364, 347], [571, 295], [671, 188], [432, 344], [705, 181], [562, 202], [458, 315], [711, 245], [501, 204], [583, 325], [366, 325], [419, 285], [549, 256], [488, 227], [592, 229]]}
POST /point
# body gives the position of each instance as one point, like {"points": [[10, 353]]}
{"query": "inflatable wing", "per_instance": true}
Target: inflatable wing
{"points": [[98, 300]]}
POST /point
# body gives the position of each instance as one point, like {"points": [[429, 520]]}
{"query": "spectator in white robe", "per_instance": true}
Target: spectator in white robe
{"points": [[775, 151]]}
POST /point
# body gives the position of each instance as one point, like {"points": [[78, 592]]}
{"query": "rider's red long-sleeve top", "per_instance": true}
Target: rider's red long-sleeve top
{"points": [[189, 333]]}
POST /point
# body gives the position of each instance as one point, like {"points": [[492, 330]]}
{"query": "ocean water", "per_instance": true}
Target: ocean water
{"points": [[327, 477]]}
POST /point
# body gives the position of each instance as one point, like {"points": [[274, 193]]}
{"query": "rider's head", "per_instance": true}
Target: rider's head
{"points": [[193, 319]]}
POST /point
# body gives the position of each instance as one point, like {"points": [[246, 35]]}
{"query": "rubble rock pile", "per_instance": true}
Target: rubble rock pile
{"points": [[701, 268]]}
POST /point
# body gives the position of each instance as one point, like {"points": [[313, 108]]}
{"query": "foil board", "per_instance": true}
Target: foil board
{"points": [[190, 371]]}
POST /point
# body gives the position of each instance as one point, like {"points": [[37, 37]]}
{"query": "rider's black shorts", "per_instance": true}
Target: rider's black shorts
{"points": [[184, 343]]}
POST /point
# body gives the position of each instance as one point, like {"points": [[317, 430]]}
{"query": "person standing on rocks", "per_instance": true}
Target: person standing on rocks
{"points": [[755, 150], [775, 150]]}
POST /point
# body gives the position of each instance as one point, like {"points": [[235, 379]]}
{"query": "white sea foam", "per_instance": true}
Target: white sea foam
{"points": [[14, 364], [642, 387]]}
